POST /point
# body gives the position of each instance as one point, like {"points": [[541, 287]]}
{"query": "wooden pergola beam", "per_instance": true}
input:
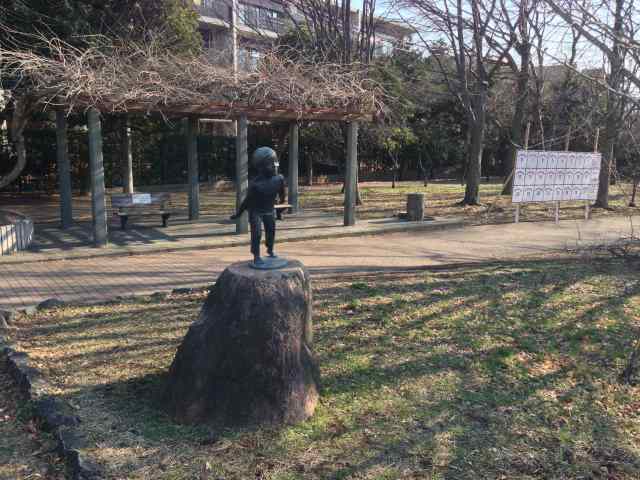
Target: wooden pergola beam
{"points": [[233, 111]]}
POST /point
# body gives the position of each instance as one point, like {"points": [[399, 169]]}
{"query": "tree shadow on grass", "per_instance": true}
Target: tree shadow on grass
{"points": [[576, 434], [485, 371]]}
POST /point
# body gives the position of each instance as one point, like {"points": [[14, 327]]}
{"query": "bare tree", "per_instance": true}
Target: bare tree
{"points": [[333, 29], [472, 56], [609, 26], [517, 23], [17, 112]]}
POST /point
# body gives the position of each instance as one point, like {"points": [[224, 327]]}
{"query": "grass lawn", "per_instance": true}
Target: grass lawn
{"points": [[442, 199], [495, 371], [379, 200]]}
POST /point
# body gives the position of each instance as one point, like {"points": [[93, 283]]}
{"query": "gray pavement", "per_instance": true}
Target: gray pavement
{"points": [[101, 278]]}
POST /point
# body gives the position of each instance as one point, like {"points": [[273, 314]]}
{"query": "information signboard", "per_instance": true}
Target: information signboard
{"points": [[547, 176], [141, 198]]}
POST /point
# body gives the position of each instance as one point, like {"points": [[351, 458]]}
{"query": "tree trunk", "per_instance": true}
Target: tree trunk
{"points": [[610, 136], [472, 190], [247, 359], [467, 154], [613, 117], [404, 169], [16, 124], [423, 171], [517, 123], [632, 203]]}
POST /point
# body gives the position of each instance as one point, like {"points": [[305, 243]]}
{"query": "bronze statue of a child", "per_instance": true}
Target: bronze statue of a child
{"points": [[261, 199]]}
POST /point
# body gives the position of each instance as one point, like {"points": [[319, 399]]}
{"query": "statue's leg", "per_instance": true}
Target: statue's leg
{"points": [[256, 235], [270, 232]]}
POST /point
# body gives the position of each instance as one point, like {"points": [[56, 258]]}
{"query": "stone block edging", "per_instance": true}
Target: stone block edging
{"points": [[55, 414]]}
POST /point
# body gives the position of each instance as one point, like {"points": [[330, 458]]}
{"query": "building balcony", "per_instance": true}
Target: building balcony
{"points": [[269, 24], [214, 9], [218, 12]]}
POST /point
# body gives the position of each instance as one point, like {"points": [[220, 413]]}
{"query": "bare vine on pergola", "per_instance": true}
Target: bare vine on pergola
{"points": [[117, 78]]}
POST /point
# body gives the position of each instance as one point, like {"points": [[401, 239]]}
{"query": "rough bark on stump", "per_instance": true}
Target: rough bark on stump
{"points": [[247, 359]]}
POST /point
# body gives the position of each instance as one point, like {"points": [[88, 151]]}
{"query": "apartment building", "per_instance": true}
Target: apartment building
{"points": [[241, 33]]}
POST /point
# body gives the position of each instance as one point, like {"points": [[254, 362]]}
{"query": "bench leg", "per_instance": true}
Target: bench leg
{"points": [[165, 219], [123, 221]]}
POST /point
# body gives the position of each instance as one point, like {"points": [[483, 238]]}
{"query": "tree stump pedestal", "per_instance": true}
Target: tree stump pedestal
{"points": [[247, 359]]}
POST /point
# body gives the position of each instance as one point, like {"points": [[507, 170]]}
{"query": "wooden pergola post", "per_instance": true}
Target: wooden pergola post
{"points": [[127, 156], [96, 169], [242, 173], [294, 157], [351, 175], [194, 176], [64, 170]]}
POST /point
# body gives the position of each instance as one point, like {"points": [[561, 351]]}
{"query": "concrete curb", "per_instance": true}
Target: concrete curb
{"points": [[55, 414], [237, 242]]}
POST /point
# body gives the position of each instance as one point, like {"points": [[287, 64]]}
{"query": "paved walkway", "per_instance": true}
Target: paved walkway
{"points": [[52, 243], [96, 279]]}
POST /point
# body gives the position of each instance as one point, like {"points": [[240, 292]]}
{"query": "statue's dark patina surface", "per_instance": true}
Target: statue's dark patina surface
{"points": [[260, 201]]}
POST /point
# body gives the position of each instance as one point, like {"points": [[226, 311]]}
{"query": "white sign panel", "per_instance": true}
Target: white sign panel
{"points": [[542, 176], [141, 198]]}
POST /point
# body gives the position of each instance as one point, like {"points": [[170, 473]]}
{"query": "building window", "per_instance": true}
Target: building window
{"points": [[207, 39], [258, 17], [248, 15], [270, 20], [383, 48], [248, 58]]}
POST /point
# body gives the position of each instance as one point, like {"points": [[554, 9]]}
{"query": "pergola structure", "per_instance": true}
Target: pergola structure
{"points": [[242, 115], [121, 80]]}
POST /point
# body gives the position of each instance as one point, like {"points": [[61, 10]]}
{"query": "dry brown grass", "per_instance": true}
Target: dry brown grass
{"points": [[25, 451], [380, 200], [494, 371]]}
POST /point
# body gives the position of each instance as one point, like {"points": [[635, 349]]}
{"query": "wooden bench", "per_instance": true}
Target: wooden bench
{"points": [[125, 205]]}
